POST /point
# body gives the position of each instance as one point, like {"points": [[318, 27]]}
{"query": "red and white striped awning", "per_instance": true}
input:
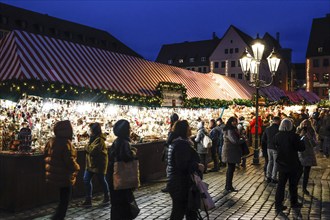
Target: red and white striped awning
{"points": [[25, 55]]}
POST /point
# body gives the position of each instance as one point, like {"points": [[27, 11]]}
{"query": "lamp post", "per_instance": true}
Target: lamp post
{"points": [[251, 64]]}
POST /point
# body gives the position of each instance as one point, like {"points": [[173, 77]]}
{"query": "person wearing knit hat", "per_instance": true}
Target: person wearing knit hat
{"points": [[96, 163], [121, 150]]}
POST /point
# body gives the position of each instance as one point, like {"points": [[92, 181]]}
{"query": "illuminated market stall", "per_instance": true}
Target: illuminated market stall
{"points": [[43, 80]]}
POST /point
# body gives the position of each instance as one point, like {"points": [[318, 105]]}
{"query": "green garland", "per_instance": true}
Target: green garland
{"points": [[324, 104], [13, 90]]}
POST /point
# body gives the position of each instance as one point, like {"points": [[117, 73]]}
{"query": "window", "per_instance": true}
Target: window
{"points": [[238, 64], [203, 59], [232, 75], [191, 59], [68, 34], [232, 63], [231, 50], [236, 50], [193, 68], [315, 77], [53, 31], [226, 51], [169, 61], [3, 19], [325, 78], [200, 69], [316, 63], [180, 60], [21, 23], [216, 64], [204, 69], [223, 64], [320, 49], [326, 62], [240, 76], [325, 91]]}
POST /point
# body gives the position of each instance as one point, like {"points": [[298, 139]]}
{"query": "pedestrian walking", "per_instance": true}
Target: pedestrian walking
{"points": [[214, 135], [220, 126], [185, 161], [232, 151], [307, 157], [268, 140], [121, 150], [288, 144], [201, 150], [96, 164], [61, 166]]}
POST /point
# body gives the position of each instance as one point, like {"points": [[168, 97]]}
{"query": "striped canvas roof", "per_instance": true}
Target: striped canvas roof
{"points": [[25, 55], [29, 56]]}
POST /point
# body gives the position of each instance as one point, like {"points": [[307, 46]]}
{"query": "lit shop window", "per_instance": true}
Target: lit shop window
{"points": [[180, 60]]}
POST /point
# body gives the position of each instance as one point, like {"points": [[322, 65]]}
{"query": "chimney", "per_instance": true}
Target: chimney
{"points": [[214, 35], [278, 37]]}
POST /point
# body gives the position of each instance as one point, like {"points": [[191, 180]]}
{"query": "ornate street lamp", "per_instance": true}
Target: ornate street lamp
{"points": [[250, 66]]}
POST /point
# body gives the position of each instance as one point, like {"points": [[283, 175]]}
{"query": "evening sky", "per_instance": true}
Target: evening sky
{"points": [[146, 25]]}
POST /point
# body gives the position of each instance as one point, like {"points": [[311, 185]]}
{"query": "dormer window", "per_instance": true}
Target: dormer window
{"points": [[180, 60], [170, 62], [191, 59], [320, 49]]}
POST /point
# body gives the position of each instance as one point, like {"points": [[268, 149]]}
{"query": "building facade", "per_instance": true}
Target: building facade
{"points": [[318, 58]]}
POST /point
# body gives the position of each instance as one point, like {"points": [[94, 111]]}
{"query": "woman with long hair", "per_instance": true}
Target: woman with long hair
{"points": [[184, 161], [231, 151], [307, 157]]}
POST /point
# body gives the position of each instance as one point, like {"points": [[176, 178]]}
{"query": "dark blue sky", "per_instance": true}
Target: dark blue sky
{"points": [[145, 25]]}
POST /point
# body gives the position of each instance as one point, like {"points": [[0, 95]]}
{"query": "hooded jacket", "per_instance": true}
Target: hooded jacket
{"points": [[60, 156], [97, 155]]}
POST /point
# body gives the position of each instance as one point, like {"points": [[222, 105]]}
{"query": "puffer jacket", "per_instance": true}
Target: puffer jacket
{"points": [[97, 155], [60, 157], [199, 138], [253, 125], [231, 150]]}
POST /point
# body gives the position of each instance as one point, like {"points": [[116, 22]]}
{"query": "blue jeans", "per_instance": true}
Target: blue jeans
{"points": [[88, 176], [272, 165]]}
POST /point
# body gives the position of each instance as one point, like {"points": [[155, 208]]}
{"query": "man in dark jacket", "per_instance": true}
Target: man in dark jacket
{"points": [[288, 143], [268, 140]]}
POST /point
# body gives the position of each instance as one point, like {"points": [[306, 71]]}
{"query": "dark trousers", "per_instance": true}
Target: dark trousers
{"points": [[65, 195], [120, 204], [293, 177], [203, 158], [215, 157], [230, 175], [180, 207], [307, 171]]}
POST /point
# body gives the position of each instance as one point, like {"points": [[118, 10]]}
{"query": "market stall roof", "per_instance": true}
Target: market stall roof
{"points": [[30, 56], [25, 56]]}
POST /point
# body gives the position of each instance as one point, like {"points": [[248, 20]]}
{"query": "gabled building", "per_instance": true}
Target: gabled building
{"points": [[318, 57], [14, 18], [189, 55], [225, 58]]}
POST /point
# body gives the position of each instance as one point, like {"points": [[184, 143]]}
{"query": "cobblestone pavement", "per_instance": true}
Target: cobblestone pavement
{"points": [[254, 200]]}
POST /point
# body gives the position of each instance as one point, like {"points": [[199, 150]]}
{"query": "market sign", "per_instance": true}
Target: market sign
{"points": [[172, 98]]}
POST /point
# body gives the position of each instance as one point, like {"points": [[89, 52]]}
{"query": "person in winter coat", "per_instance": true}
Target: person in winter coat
{"points": [[253, 129], [214, 135], [185, 161], [232, 151], [307, 157], [201, 150], [96, 163], [60, 165], [288, 143], [268, 140], [220, 126], [168, 149], [324, 132], [121, 150]]}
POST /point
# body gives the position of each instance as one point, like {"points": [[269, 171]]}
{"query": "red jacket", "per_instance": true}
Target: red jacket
{"points": [[253, 124]]}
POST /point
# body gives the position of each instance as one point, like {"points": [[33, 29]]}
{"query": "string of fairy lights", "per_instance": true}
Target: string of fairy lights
{"points": [[14, 89]]}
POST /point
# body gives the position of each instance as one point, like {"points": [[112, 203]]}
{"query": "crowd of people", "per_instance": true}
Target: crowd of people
{"points": [[288, 144]]}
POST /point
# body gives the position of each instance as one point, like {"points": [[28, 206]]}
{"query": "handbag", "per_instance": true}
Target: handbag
{"points": [[126, 175], [206, 200]]}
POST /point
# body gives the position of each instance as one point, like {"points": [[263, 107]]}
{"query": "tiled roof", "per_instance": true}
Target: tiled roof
{"points": [[186, 50]]}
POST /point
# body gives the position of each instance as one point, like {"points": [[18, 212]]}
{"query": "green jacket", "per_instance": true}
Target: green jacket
{"points": [[97, 156]]}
